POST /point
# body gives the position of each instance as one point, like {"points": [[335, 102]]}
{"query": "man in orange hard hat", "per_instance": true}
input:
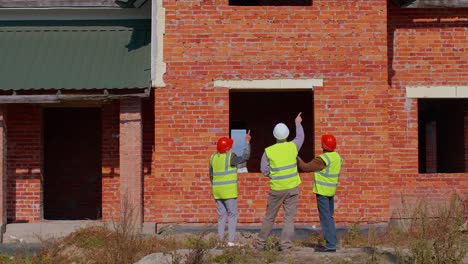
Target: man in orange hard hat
{"points": [[223, 177], [326, 168]]}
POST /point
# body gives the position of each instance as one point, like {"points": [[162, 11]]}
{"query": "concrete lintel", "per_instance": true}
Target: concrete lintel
{"points": [[269, 84], [437, 91]]}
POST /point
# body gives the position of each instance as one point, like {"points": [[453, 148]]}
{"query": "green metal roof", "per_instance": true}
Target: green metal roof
{"points": [[75, 54]]}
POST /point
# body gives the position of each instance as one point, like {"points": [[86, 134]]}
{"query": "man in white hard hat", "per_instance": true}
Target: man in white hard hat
{"points": [[280, 165]]}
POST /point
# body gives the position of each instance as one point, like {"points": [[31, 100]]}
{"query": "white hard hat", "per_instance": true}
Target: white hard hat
{"points": [[281, 131]]}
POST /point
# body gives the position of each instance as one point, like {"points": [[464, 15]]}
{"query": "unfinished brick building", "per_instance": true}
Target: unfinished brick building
{"points": [[388, 78]]}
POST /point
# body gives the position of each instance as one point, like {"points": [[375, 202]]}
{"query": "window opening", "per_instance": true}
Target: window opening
{"points": [[260, 110], [443, 135]]}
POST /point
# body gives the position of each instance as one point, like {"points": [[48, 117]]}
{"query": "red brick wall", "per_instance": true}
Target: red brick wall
{"points": [[110, 161], [24, 163], [148, 147], [346, 43], [25, 151], [343, 42], [426, 47], [110, 155]]}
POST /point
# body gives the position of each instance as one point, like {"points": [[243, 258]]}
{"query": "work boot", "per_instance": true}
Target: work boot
{"points": [[325, 250]]}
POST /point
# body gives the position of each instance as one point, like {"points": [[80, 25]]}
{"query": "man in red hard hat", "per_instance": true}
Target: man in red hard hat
{"points": [[326, 168], [223, 177]]}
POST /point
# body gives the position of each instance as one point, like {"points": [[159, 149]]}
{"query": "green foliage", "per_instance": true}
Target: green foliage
{"points": [[88, 238], [200, 241], [435, 236], [432, 235], [233, 255], [352, 236], [313, 240], [247, 255], [199, 246]]}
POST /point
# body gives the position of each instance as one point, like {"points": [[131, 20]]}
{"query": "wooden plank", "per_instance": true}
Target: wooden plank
{"points": [[432, 3], [57, 3]]}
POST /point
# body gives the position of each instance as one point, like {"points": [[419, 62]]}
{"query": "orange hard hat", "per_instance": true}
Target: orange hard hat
{"points": [[328, 142], [224, 144]]}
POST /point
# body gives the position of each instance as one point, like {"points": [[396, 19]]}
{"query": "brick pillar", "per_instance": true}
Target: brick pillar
{"points": [[131, 162], [3, 174]]}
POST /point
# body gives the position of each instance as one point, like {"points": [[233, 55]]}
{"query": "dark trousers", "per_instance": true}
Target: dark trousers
{"points": [[326, 208]]}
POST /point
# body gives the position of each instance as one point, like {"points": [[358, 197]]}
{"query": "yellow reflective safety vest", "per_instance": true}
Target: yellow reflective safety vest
{"points": [[283, 166], [326, 180], [224, 176]]}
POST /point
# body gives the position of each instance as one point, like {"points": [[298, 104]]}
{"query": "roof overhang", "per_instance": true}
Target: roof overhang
{"points": [[49, 97], [71, 3], [75, 55]]}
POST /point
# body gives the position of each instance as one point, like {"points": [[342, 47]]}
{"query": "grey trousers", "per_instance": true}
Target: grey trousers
{"points": [[287, 198], [227, 209]]}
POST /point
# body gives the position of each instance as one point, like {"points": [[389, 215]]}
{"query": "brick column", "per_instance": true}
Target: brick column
{"points": [[131, 161], [3, 174]]}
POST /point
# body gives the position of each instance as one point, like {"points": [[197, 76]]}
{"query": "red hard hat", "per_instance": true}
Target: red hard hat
{"points": [[328, 142], [224, 144]]}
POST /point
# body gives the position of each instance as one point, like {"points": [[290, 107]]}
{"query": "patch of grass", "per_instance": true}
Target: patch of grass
{"points": [[353, 237], [88, 238], [433, 234], [201, 241], [164, 244], [199, 247], [117, 243], [10, 260], [313, 240], [232, 255], [247, 255]]}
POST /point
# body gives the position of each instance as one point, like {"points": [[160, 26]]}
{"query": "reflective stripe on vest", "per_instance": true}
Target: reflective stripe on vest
{"points": [[283, 166], [326, 180], [224, 176]]}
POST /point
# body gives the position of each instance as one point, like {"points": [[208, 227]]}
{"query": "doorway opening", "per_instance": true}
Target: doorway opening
{"points": [[72, 185]]}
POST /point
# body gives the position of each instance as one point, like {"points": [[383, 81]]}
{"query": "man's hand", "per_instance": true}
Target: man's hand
{"points": [[247, 137], [298, 118]]}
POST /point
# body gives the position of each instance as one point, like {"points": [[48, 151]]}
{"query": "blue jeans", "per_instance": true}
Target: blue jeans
{"points": [[326, 207]]}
